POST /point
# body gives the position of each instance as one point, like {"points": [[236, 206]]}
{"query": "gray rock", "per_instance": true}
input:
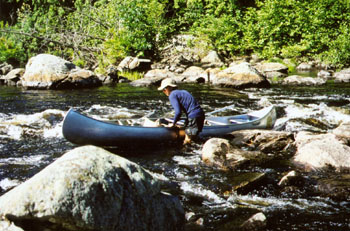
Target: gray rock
{"points": [[46, 71], [5, 68], [240, 76], [315, 152], [134, 64], [325, 74], [194, 74], [89, 188], [342, 76], [256, 222], [12, 77], [305, 67], [220, 153], [263, 140], [304, 81], [272, 67], [212, 60]]}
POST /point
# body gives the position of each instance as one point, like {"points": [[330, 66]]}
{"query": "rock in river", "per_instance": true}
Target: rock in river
{"points": [[89, 188]]}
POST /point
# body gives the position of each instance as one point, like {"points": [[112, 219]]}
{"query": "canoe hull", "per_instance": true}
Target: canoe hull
{"points": [[81, 130]]}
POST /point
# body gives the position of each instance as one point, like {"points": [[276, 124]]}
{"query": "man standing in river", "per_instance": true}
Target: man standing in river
{"points": [[183, 101]]}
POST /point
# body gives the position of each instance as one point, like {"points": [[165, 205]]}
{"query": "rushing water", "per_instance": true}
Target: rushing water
{"points": [[31, 138]]}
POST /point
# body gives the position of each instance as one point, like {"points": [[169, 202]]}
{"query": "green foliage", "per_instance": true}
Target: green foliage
{"points": [[294, 28], [10, 50], [339, 49], [102, 32], [132, 75]]}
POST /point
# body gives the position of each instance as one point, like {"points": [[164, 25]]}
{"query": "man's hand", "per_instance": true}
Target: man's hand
{"points": [[171, 125]]}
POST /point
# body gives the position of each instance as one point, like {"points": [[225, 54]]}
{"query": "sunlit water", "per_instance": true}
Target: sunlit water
{"points": [[31, 138]]}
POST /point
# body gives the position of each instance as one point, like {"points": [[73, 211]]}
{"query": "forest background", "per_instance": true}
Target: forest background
{"points": [[99, 33]]}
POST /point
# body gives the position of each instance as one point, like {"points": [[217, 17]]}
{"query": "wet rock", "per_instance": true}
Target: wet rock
{"points": [[256, 222], [299, 80], [220, 153], [263, 140], [336, 187], [240, 76], [291, 178], [89, 188], [46, 71], [243, 183], [315, 152], [214, 152]]}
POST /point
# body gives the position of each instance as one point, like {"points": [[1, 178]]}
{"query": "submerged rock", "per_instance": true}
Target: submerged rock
{"points": [[256, 222], [336, 187], [89, 188]]}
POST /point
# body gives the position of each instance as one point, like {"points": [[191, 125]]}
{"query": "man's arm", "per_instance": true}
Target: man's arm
{"points": [[176, 105]]}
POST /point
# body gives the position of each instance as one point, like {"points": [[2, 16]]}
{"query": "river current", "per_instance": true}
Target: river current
{"points": [[31, 138]]}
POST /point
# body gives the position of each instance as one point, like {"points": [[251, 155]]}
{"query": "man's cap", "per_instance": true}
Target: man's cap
{"points": [[168, 82]]}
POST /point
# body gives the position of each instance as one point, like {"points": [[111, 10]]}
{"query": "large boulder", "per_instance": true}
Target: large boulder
{"points": [[240, 76], [315, 152], [46, 71], [89, 188]]}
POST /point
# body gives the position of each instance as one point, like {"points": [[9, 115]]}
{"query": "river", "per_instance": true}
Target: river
{"points": [[31, 138]]}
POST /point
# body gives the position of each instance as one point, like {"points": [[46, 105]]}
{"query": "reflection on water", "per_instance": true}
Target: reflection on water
{"points": [[31, 138]]}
